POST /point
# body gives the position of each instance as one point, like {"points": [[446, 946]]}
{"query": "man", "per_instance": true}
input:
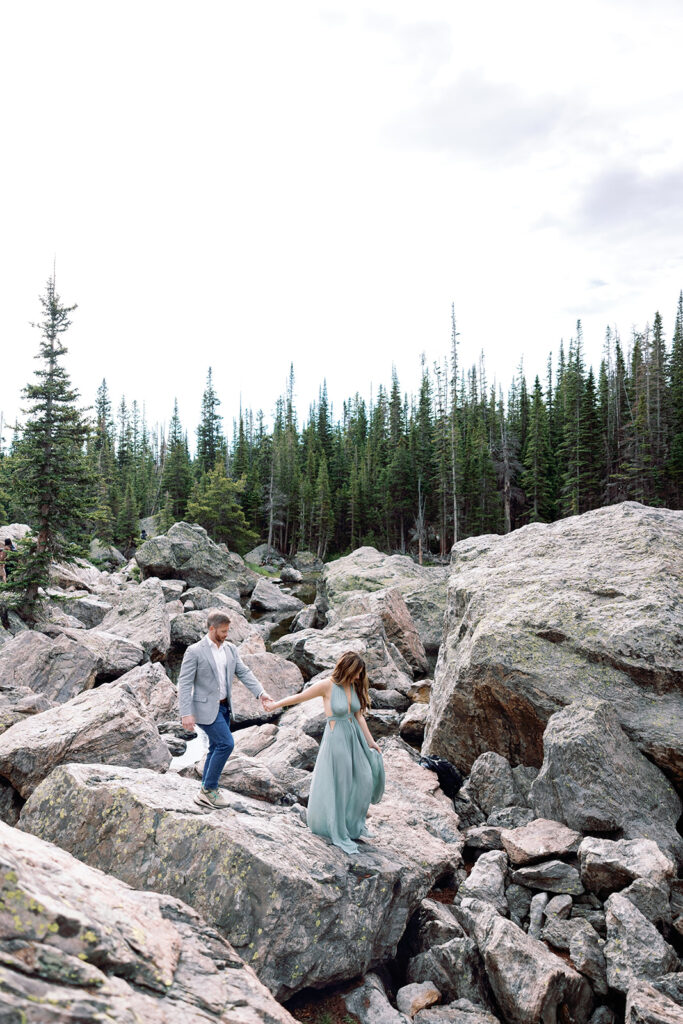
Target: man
{"points": [[204, 696]]}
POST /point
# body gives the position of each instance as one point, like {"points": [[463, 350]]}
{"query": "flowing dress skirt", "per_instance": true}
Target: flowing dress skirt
{"points": [[347, 778]]}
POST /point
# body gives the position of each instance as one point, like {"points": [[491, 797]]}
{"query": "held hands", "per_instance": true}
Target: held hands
{"points": [[267, 702]]}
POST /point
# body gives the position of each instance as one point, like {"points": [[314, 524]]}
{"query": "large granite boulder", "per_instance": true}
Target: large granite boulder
{"points": [[78, 945], [276, 675], [107, 725], [56, 668], [187, 553], [367, 570], [300, 911], [14, 532], [315, 650], [153, 688], [529, 982], [398, 623], [594, 779], [589, 606], [141, 617]]}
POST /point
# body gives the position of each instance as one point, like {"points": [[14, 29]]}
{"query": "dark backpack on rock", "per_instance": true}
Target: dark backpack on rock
{"points": [[450, 778]]}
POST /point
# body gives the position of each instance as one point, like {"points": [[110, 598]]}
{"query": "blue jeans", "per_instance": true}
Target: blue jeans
{"points": [[221, 746]]}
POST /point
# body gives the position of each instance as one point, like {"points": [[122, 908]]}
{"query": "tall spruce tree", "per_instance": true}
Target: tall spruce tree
{"points": [[51, 479]]}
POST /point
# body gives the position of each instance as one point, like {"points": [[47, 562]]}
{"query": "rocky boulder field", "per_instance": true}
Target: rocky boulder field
{"points": [[543, 883]]}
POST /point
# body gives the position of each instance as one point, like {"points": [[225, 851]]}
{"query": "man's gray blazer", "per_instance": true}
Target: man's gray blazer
{"points": [[198, 682]]}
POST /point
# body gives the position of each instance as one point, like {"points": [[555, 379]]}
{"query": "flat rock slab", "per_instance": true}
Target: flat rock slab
{"points": [[107, 725], [78, 945], [550, 876], [540, 838], [299, 910], [589, 606]]}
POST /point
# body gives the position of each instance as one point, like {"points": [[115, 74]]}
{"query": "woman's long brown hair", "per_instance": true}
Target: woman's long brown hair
{"points": [[351, 669]]}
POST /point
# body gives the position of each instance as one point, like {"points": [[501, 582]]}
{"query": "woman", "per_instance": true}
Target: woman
{"points": [[349, 774]]}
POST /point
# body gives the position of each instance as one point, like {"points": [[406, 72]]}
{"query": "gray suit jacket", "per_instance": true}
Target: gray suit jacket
{"points": [[198, 682]]}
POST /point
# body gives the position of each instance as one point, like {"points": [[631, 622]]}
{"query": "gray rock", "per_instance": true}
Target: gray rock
{"points": [[528, 981], [595, 780], [315, 650], [524, 777], [383, 722], [107, 725], [536, 913], [586, 953], [369, 1003], [519, 903], [97, 950], [602, 600], [412, 725], [595, 918], [551, 876], [652, 900], [397, 620], [393, 699], [646, 1005], [153, 689], [17, 703], [307, 618], [142, 618], [172, 589], [558, 932], [277, 676], [540, 838], [491, 783], [203, 599], [510, 817], [671, 985], [455, 967], [258, 555], [559, 906], [272, 603], [268, 879], [58, 669], [410, 999], [307, 563], [677, 905], [487, 880], [483, 837], [10, 803], [603, 1015], [432, 924], [461, 1011], [114, 655], [469, 813], [186, 552], [607, 866], [634, 949], [105, 555], [367, 570], [288, 574], [192, 626], [88, 610]]}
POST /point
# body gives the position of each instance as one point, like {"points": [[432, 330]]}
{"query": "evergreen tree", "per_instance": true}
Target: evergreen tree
{"points": [[51, 478], [210, 441], [177, 473], [675, 457], [214, 505], [537, 458]]}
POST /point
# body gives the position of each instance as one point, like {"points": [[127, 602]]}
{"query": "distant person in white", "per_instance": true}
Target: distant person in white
{"points": [[205, 698]]}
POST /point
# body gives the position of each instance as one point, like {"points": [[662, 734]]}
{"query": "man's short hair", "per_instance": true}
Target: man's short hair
{"points": [[217, 618]]}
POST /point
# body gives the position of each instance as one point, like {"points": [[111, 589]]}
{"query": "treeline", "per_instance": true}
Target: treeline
{"points": [[403, 473]]}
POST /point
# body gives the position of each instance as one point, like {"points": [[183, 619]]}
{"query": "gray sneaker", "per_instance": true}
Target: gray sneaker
{"points": [[210, 798]]}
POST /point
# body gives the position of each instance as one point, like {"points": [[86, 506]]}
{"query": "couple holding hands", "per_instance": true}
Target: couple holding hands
{"points": [[348, 774]]}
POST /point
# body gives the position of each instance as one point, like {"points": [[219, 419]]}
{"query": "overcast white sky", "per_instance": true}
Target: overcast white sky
{"points": [[243, 185]]}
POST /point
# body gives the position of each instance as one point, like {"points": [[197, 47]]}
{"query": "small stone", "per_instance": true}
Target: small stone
{"points": [[559, 932], [487, 880], [510, 817], [646, 1005], [607, 865], [652, 900], [519, 903], [483, 837], [559, 906], [634, 949], [491, 783], [412, 998], [536, 910], [586, 953]]}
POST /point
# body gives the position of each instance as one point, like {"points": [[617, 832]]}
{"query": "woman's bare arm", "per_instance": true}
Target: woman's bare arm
{"points": [[360, 718], [317, 690]]}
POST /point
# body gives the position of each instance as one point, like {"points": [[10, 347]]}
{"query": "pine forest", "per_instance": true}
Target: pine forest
{"points": [[407, 471]]}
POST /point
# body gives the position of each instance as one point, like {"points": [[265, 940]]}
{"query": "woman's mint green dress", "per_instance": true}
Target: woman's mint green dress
{"points": [[347, 778]]}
